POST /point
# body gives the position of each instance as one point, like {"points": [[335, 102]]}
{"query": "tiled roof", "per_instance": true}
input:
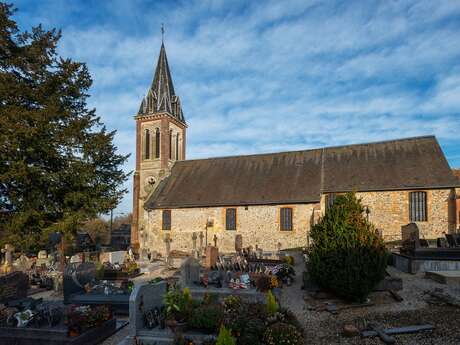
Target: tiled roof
{"points": [[301, 176]]}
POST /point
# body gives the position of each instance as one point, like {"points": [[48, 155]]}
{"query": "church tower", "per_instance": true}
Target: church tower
{"points": [[160, 141]]}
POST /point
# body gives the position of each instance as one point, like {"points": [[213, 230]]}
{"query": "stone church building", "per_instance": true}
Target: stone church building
{"points": [[273, 199]]}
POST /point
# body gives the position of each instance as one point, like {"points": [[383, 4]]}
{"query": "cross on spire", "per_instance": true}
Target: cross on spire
{"points": [[162, 32]]}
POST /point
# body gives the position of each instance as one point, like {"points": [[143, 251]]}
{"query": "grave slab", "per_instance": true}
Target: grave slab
{"points": [[444, 277]]}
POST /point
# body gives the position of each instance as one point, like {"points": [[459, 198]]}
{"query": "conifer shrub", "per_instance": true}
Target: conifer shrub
{"points": [[225, 337], [347, 256], [272, 305]]}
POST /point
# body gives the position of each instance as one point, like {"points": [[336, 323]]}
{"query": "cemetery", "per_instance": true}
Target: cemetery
{"points": [[247, 296]]}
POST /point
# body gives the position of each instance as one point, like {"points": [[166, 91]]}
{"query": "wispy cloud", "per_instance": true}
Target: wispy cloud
{"points": [[284, 76]]}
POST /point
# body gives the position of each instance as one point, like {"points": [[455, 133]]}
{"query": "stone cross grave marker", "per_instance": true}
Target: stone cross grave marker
{"points": [[8, 251], [238, 243], [201, 241], [168, 241], [194, 251]]}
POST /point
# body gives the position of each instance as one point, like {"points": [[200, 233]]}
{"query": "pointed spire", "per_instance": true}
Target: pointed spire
{"points": [[161, 96]]}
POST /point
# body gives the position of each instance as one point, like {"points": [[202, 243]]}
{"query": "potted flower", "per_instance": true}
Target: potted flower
{"points": [[178, 306]]}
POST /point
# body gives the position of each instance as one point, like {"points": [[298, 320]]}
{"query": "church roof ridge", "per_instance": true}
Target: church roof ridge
{"points": [[313, 149]]}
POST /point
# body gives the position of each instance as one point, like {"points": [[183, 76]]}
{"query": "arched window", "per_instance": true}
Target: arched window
{"points": [[170, 144], [157, 143], [177, 146], [147, 144]]}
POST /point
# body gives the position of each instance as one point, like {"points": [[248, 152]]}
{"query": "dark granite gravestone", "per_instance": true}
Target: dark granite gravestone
{"points": [[76, 276], [13, 286], [451, 240]]}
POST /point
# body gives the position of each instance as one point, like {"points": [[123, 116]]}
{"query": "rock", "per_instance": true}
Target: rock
{"points": [[350, 330]]}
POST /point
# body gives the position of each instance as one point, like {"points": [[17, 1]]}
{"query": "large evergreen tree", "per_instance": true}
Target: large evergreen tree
{"points": [[58, 164], [347, 256]]}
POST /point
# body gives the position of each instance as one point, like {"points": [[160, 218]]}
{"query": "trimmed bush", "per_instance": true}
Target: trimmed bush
{"points": [[347, 256]]}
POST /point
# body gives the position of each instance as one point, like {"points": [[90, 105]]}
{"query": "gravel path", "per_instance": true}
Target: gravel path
{"points": [[324, 328]]}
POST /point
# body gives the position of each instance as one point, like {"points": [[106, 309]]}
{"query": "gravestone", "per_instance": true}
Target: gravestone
{"points": [[211, 256], [76, 276], [238, 243], [42, 258], [190, 272], [117, 257], [168, 241], [13, 285], [410, 233], [144, 298], [194, 251]]}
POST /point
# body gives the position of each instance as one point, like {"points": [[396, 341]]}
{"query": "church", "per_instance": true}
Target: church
{"points": [[273, 199]]}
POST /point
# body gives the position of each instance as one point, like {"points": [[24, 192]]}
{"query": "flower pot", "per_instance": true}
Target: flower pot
{"points": [[176, 326]]}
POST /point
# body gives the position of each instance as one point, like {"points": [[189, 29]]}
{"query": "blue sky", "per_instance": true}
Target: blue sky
{"points": [[266, 76]]}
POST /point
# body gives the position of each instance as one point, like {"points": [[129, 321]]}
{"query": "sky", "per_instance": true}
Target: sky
{"points": [[269, 76]]}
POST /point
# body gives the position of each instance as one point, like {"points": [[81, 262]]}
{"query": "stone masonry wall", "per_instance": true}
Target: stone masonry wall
{"points": [[258, 225], [390, 210]]}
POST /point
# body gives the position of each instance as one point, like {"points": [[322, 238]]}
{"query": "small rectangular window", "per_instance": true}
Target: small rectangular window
{"points": [[417, 207], [166, 224], [230, 219], [286, 219]]}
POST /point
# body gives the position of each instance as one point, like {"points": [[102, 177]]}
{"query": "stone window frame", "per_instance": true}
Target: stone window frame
{"points": [[280, 213], [235, 221], [166, 220], [413, 217]]}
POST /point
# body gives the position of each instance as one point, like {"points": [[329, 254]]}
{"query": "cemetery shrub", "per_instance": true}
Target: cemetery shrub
{"points": [[178, 305], [207, 318], [347, 256], [272, 306], [282, 334], [225, 337]]}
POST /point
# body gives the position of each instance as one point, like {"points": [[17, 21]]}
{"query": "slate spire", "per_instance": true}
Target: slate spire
{"points": [[161, 96]]}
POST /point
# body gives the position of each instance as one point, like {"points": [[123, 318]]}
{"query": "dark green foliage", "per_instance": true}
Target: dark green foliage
{"points": [[282, 334], [225, 337], [207, 318], [347, 255], [252, 333], [247, 322], [58, 164]]}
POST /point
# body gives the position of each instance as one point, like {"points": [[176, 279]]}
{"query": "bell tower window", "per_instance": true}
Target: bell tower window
{"points": [[147, 144], [157, 143]]}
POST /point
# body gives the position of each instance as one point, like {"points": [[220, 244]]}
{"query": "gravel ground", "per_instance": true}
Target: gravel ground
{"points": [[324, 328]]}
